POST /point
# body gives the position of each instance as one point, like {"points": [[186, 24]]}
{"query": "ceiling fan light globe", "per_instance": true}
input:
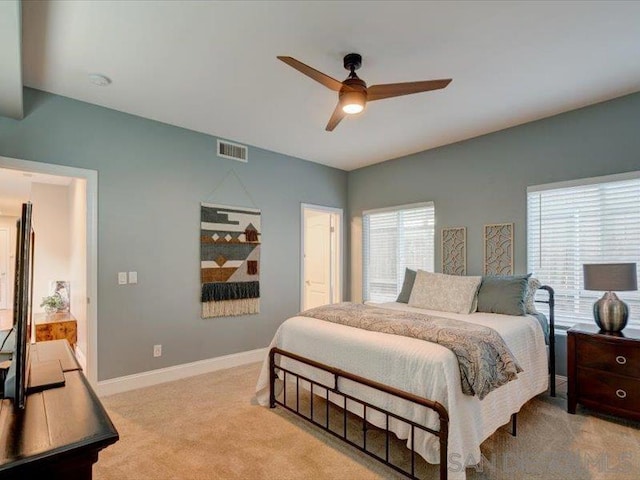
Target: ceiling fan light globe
{"points": [[352, 102], [352, 108]]}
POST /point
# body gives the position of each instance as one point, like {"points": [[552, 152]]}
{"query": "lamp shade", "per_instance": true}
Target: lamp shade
{"points": [[607, 277]]}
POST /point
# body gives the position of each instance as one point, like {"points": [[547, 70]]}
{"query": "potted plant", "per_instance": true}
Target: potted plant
{"points": [[52, 303]]}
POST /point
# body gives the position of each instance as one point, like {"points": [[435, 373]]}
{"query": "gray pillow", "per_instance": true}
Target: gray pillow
{"points": [[407, 286], [503, 294]]}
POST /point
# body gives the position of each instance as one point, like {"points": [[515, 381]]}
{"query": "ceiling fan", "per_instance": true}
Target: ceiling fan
{"points": [[353, 93]]}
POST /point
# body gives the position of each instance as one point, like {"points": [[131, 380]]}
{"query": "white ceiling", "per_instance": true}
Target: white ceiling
{"points": [[212, 67]]}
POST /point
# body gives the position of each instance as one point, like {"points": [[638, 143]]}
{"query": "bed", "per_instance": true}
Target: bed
{"points": [[423, 370]]}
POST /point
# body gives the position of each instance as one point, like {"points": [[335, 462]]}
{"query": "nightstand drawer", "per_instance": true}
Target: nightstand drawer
{"points": [[609, 390], [610, 357]]}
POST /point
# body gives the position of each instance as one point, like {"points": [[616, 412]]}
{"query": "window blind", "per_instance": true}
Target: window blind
{"points": [[589, 223], [395, 239]]}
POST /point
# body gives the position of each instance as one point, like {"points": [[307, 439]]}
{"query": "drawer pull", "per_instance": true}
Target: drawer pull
{"points": [[621, 360], [621, 393]]}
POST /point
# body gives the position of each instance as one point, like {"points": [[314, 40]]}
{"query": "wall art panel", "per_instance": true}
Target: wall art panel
{"points": [[498, 249], [454, 250]]}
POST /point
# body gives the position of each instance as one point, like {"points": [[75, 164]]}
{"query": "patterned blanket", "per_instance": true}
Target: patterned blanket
{"points": [[484, 359]]}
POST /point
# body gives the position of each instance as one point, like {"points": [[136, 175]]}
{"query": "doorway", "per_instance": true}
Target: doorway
{"points": [[85, 245], [321, 265]]}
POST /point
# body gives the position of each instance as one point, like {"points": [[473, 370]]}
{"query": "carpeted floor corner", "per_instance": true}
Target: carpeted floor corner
{"points": [[209, 427]]}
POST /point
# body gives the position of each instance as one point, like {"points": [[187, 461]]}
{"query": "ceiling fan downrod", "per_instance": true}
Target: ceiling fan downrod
{"points": [[352, 62]]}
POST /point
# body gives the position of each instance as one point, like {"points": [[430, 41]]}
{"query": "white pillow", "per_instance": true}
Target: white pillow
{"points": [[529, 298], [445, 293]]}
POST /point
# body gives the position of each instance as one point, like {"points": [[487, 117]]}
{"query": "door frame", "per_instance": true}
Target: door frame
{"points": [[5, 295], [340, 240], [91, 177]]}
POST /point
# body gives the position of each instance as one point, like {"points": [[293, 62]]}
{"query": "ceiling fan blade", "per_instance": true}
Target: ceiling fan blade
{"points": [[320, 77], [337, 115], [378, 92]]}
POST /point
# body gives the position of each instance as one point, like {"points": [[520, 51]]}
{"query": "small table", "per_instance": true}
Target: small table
{"points": [[56, 326]]}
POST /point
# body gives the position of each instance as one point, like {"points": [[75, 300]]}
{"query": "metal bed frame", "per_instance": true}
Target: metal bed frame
{"points": [[443, 430], [552, 336]]}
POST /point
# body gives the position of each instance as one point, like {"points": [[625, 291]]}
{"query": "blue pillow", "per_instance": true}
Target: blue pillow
{"points": [[503, 294]]}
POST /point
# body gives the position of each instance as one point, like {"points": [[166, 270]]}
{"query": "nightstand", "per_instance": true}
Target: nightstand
{"points": [[604, 370]]}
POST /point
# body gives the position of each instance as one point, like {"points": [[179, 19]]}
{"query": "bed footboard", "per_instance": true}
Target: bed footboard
{"points": [[442, 433]]}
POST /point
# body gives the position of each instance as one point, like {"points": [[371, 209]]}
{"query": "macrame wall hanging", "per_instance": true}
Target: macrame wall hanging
{"points": [[230, 240]]}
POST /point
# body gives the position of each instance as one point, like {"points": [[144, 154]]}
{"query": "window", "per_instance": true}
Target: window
{"points": [[588, 221], [394, 239]]}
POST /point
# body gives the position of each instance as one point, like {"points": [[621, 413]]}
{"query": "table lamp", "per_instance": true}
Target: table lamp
{"points": [[610, 313]]}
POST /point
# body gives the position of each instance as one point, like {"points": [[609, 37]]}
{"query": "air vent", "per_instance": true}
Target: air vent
{"points": [[232, 151]]}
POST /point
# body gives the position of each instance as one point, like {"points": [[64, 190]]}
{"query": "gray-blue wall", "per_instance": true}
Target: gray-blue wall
{"points": [[153, 176], [151, 180], [484, 180]]}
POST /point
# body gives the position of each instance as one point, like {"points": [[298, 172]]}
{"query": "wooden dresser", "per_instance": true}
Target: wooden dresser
{"points": [[56, 326], [60, 433], [604, 370]]}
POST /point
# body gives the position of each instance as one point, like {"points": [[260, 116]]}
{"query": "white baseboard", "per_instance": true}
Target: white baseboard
{"points": [[162, 375], [81, 357]]}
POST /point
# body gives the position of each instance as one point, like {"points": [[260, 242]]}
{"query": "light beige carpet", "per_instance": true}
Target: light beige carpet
{"points": [[209, 427]]}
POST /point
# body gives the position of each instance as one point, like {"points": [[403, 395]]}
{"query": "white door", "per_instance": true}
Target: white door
{"points": [[4, 268], [320, 262]]}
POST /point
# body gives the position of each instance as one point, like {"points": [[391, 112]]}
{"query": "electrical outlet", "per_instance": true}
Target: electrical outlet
{"points": [[133, 277], [122, 278], [157, 350]]}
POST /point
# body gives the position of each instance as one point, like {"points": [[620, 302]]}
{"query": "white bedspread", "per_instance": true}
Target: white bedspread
{"points": [[422, 368]]}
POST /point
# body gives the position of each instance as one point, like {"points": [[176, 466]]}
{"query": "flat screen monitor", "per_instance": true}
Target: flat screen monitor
{"points": [[18, 381]]}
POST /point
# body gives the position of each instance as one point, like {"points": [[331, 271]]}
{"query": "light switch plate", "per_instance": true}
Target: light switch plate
{"points": [[122, 278], [133, 277]]}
